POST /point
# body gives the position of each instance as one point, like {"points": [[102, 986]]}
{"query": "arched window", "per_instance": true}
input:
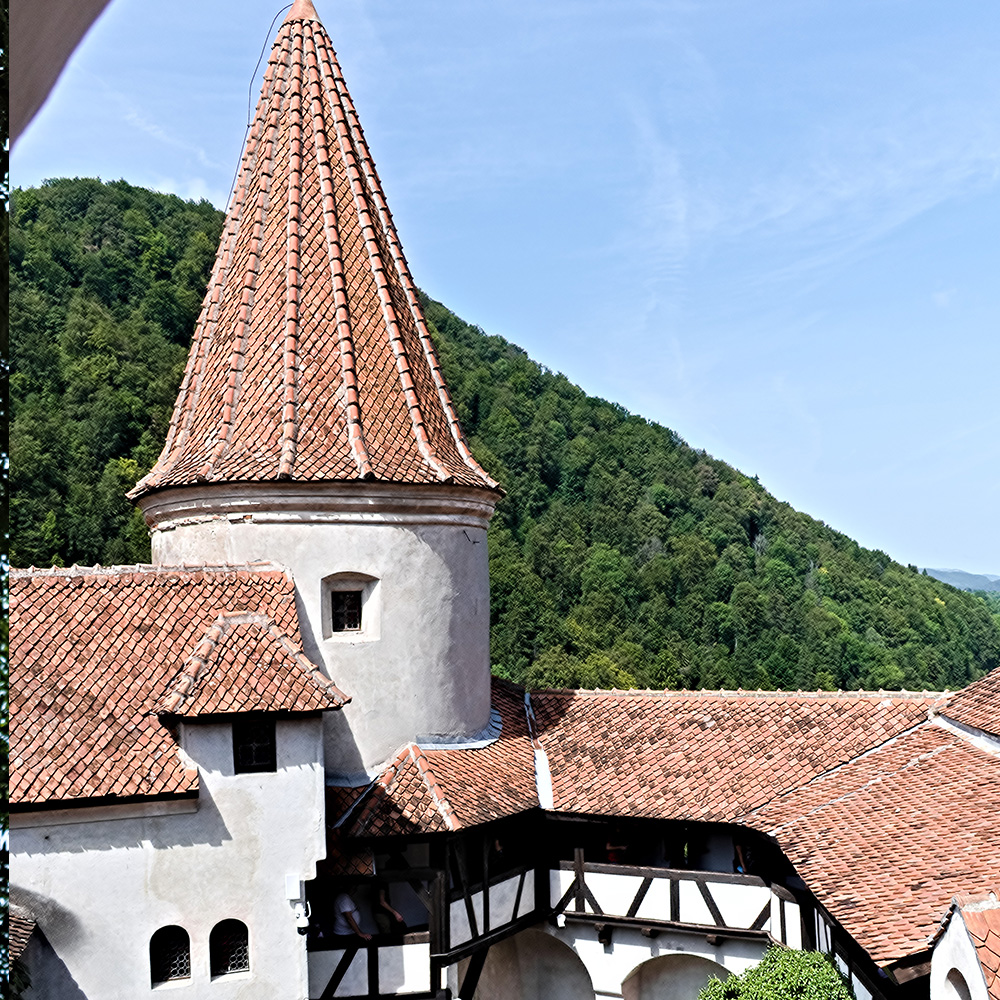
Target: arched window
{"points": [[169, 955], [955, 987], [229, 948]]}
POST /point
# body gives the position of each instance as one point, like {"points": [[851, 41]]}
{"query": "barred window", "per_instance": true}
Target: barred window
{"points": [[345, 610], [254, 745], [229, 948], [169, 955]]}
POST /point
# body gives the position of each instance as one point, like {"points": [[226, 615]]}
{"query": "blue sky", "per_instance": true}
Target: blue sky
{"points": [[773, 227]]}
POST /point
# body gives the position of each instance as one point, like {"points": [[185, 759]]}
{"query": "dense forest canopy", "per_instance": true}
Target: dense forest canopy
{"points": [[620, 556]]}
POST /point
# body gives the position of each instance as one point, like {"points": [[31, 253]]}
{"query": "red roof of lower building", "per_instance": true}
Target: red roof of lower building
{"points": [[97, 653], [886, 840], [884, 814], [705, 755], [428, 790]]}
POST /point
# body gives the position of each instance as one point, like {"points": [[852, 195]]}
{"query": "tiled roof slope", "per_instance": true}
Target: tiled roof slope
{"points": [[20, 929], [311, 359], [243, 663], [705, 755], [978, 705], [427, 790], [94, 651], [888, 839], [982, 919]]}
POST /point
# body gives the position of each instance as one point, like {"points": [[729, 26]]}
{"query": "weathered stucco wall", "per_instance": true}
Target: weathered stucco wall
{"points": [[100, 889], [570, 963], [671, 977], [955, 970], [420, 665]]}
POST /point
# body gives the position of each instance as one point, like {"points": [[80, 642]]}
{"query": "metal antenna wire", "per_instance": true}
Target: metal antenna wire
{"points": [[253, 76]]}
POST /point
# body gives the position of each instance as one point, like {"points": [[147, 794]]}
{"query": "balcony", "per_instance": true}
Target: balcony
{"points": [[654, 900]]}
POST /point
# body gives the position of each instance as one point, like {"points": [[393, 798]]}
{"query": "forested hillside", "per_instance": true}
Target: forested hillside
{"points": [[620, 555]]}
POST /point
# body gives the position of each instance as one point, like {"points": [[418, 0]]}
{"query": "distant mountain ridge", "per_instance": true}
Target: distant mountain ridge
{"points": [[965, 581]]}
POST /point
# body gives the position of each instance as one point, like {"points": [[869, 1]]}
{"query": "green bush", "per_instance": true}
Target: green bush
{"points": [[783, 974]]}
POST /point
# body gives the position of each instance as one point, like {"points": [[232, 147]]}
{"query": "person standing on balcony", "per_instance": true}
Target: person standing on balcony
{"points": [[347, 919]]}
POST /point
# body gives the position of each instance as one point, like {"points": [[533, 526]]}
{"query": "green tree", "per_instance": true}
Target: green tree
{"points": [[633, 556]]}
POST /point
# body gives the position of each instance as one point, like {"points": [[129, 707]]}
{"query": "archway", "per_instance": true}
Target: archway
{"points": [[671, 977], [532, 965]]}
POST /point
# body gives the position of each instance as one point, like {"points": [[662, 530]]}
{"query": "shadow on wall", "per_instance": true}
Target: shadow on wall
{"points": [[53, 919], [48, 973], [204, 827], [671, 977], [335, 724], [532, 965]]}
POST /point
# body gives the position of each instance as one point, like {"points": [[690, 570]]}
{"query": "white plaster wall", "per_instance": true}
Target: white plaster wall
{"points": [[739, 904], [503, 895], [955, 951], [426, 675], [532, 965], [610, 966], [574, 965], [671, 977], [614, 893], [100, 889], [693, 908]]}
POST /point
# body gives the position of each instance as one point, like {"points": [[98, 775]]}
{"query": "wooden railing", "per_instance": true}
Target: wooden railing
{"points": [[664, 898]]}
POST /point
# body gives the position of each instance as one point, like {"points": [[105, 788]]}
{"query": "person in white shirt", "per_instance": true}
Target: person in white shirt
{"points": [[347, 918]]}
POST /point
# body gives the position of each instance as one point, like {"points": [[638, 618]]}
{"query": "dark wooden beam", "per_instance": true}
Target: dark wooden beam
{"points": [[338, 973], [475, 969], [684, 874], [666, 925], [639, 897], [713, 907]]}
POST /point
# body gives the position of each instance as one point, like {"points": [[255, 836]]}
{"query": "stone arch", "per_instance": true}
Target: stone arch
{"points": [[955, 987], [532, 965], [671, 977]]}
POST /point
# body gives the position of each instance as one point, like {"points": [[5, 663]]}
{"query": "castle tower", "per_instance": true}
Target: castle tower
{"points": [[313, 428]]}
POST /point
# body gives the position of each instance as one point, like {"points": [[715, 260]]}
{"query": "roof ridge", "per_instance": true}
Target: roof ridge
{"points": [[150, 569], [182, 417], [444, 807], [707, 693], [312, 671], [237, 356], [406, 279], [348, 138], [293, 277], [797, 789], [345, 339]]}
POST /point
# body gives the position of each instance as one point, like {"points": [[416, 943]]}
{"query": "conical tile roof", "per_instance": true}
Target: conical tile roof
{"points": [[311, 360]]}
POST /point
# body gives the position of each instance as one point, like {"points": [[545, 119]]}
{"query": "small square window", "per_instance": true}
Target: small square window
{"points": [[254, 744], [345, 610]]}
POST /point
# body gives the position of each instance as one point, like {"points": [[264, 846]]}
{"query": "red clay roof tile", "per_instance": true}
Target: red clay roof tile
{"points": [[705, 755], [311, 360], [431, 790], [886, 840], [244, 662], [982, 919], [94, 652], [20, 929], [978, 705]]}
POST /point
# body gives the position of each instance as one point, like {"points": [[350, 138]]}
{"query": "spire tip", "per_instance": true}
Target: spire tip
{"points": [[302, 10]]}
